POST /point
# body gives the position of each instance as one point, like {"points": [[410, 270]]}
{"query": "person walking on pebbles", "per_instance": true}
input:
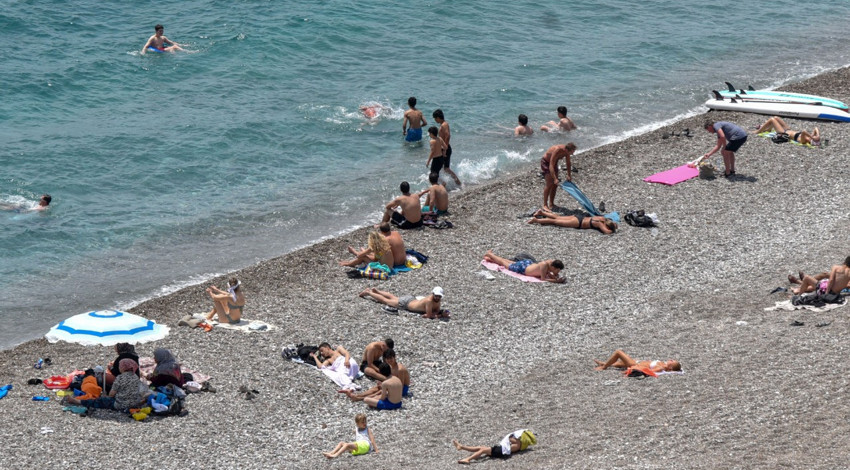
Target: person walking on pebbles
{"points": [[364, 441], [730, 138], [512, 443]]}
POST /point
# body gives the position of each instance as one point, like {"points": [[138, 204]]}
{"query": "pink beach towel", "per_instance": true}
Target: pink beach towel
{"points": [[502, 269], [674, 176]]}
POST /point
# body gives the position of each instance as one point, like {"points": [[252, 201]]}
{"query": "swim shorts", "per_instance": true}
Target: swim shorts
{"points": [[437, 164], [413, 135], [544, 166], [823, 286], [404, 300], [398, 220], [428, 209], [448, 160], [520, 266], [734, 145], [388, 405], [376, 365], [496, 452], [405, 390], [362, 448]]}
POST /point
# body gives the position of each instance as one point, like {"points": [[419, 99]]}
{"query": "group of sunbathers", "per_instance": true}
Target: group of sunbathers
{"points": [[380, 363]]}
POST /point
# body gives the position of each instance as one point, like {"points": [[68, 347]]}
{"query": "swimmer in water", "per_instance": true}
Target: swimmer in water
{"points": [[43, 204], [160, 42], [371, 111]]}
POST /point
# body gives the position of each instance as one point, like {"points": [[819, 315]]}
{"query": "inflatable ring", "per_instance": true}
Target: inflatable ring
{"points": [[57, 382]]}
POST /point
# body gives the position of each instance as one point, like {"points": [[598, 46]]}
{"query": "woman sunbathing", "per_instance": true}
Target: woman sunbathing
{"points": [[621, 360], [580, 221], [227, 305], [378, 250], [778, 125]]}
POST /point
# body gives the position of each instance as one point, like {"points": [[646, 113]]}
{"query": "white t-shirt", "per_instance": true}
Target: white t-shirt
{"points": [[506, 442]]}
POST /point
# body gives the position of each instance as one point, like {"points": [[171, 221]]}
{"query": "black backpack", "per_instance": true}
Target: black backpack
{"points": [[638, 219], [780, 138]]}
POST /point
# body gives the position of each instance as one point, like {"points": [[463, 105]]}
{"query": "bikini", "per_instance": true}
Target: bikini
{"points": [[230, 306]]}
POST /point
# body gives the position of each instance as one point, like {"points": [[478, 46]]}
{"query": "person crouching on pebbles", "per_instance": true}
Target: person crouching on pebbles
{"points": [[364, 441], [390, 395], [227, 305], [730, 138]]}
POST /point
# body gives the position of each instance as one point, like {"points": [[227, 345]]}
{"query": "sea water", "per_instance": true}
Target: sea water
{"points": [[167, 169]]}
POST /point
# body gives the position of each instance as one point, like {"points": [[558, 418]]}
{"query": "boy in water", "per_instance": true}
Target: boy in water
{"points": [[415, 119], [445, 133], [522, 128], [436, 158], [564, 123], [43, 204], [159, 42]]}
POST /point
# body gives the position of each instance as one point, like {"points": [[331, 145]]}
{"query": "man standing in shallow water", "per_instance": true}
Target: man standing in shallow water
{"points": [[445, 133], [415, 119], [161, 43]]}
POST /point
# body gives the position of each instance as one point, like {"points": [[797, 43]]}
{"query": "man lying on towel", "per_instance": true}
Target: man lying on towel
{"points": [[429, 305], [548, 270]]}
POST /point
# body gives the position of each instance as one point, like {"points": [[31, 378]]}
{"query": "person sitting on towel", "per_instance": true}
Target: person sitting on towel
{"points": [[429, 305], [372, 357], [778, 125], [548, 270], [390, 395], [378, 249], [127, 391], [167, 370], [621, 360], [837, 280], [437, 199], [580, 221], [227, 305]]}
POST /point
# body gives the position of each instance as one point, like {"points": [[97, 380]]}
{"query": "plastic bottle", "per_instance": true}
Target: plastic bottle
{"points": [[39, 364], [39, 398]]}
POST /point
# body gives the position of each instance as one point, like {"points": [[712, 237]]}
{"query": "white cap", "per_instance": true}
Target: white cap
{"points": [[438, 291]]}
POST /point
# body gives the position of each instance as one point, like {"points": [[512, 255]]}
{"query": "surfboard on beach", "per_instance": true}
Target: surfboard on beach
{"points": [[782, 96], [779, 108]]}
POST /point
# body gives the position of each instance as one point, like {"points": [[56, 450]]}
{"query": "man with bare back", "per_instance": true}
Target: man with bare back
{"points": [[411, 211], [414, 118], [548, 270]]}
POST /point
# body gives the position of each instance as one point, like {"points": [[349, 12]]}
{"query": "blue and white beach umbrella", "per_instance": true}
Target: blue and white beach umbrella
{"points": [[106, 328]]}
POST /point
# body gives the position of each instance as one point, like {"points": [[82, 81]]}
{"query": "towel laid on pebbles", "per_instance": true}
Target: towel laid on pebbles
{"points": [[243, 325], [787, 305], [504, 270]]}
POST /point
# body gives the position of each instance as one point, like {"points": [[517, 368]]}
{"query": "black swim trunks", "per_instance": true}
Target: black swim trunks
{"points": [[496, 452], [448, 160], [398, 220], [437, 164], [734, 145]]}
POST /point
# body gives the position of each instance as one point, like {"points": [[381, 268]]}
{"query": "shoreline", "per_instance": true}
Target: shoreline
{"points": [[518, 355]]}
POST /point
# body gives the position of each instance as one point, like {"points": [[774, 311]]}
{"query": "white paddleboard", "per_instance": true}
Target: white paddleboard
{"points": [[785, 96], [778, 108]]}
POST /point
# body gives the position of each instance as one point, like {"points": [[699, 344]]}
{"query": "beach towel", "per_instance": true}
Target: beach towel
{"points": [[341, 375], [246, 326], [788, 306], [579, 196], [674, 176], [504, 270]]}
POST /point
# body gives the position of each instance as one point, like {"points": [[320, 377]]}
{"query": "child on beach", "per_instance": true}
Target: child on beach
{"points": [[364, 441], [522, 127], [512, 443]]}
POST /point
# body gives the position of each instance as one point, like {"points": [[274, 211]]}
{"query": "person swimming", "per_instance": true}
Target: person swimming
{"points": [[43, 204]]}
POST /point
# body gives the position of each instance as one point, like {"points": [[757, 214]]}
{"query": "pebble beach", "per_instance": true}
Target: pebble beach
{"points": [[756, 392]]}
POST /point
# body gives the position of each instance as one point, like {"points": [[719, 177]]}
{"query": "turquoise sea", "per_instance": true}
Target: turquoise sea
{"points": [[167, 169]]}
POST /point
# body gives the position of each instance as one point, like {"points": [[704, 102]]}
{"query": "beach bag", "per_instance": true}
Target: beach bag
{"points": [[375, 272], [305, 351], [639, 219], [780, 138], [527, 439], [524, 256]]}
